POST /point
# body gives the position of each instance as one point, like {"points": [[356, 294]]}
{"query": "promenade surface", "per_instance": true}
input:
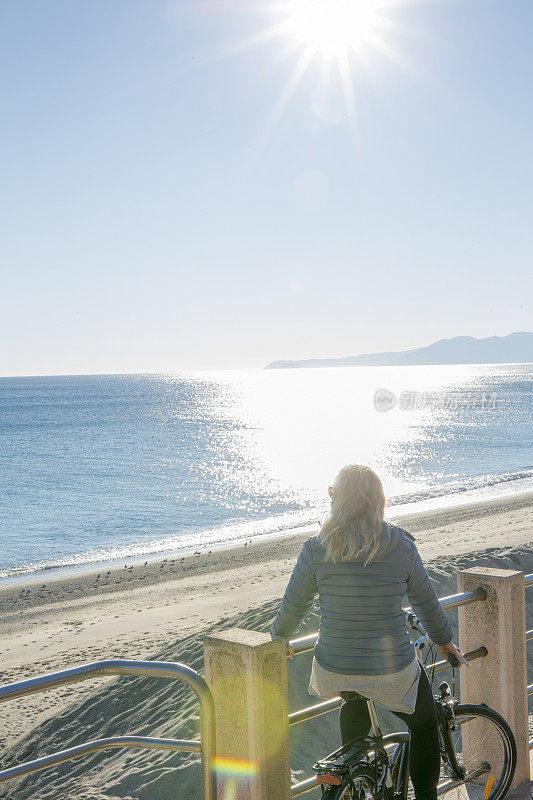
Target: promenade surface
{"points": [[524, 792]]}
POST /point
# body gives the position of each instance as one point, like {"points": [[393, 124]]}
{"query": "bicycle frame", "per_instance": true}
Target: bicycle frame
{"points": [[371, 751]]}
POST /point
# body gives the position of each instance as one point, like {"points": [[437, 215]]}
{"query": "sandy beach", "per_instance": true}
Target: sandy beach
{"points": [[136, 613]]}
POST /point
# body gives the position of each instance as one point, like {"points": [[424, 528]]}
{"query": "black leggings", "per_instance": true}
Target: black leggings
{"points": [[424, 751]]}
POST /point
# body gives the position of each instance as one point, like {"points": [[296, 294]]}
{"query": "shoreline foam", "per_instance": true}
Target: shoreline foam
{"points": [[446, 496]]}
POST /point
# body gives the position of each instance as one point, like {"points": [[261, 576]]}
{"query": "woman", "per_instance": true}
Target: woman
{"points": [[361, 567]]}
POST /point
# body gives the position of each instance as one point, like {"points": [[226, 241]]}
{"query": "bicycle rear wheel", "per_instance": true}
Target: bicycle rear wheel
{"points": [[362, 788]]}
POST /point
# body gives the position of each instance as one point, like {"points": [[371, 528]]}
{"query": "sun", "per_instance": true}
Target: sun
{"points": [[328, 40], [332, 28]]}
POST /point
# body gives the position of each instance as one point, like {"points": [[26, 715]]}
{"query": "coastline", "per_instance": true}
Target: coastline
{"points": [[452, 495], [136, 613]]}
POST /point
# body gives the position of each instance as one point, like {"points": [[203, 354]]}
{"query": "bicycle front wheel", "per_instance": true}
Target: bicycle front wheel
{"points": [[478, 757]]}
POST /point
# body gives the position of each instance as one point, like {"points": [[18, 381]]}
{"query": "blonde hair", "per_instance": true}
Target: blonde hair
{"points": [[353, 527]]}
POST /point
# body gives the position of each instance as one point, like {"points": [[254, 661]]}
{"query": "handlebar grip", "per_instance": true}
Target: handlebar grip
{"points": [[453, 660]]}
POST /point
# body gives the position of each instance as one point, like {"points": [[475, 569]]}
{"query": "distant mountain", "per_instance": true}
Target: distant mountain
{"points": [[516, 348]]}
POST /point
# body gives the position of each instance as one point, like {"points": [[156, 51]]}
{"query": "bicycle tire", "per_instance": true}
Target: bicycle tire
{"points": [[363, 781], [500, 753], [481, 721]]}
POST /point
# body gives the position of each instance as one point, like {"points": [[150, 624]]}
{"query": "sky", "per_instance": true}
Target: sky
{"points": [[183, 191]]}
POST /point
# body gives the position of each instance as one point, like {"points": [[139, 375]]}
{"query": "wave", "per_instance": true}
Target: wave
{"points": [[460, 487], [467, 490]]}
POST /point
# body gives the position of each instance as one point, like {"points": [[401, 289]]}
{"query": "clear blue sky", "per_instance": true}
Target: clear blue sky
{"points": [[157, 214]]}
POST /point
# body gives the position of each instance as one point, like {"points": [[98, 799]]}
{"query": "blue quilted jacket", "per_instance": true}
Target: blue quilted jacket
{"points": [[362, 625]]}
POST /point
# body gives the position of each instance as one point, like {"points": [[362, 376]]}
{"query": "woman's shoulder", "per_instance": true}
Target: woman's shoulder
{"points": [[313, 545], [398, 531], [401, 532], [313, 542], [395, 537]]}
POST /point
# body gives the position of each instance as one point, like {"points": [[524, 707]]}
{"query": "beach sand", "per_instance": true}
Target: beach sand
{"points": [[162, 609]]}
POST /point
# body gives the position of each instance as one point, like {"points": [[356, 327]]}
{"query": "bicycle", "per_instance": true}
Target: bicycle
{"points": [[478, 751]]}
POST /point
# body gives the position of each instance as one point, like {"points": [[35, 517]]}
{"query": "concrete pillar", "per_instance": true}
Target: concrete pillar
{"points": [[499, 679], [247, 674]]}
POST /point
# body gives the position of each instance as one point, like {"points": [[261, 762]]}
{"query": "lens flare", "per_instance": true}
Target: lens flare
{"points": [[233, 766]]}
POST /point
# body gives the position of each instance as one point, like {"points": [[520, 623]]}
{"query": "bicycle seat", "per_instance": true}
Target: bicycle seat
{"points": [[352, 696]]}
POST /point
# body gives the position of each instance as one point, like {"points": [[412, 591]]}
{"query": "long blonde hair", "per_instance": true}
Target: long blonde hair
{"points": [[353, 527]]}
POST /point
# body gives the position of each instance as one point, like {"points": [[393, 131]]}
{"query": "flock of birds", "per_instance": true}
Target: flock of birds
{"points": [[26, 592]]}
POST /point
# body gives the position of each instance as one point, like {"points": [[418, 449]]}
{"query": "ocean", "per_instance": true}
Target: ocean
{"points": [[102, 467]]}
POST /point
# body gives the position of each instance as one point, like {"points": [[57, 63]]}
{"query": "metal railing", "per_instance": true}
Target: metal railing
{"points": [[151, 669], [307, 643]]}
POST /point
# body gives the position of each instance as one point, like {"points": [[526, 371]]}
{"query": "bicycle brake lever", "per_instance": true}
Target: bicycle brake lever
{"points": [[456, 662]]}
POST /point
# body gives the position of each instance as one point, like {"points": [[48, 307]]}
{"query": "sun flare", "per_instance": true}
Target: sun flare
{"points": [[327, 43], [332, 28]]}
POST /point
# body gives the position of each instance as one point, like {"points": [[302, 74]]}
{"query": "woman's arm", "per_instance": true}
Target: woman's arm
{"points": [[298, 597], [425, 602]]}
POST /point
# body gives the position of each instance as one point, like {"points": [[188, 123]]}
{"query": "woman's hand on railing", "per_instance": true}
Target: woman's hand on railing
{"points": [[290, 650], [450, 649]]}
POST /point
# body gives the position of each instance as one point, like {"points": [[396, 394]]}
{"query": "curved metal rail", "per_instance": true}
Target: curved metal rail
{"points": [[150, 669], [145, 742]]}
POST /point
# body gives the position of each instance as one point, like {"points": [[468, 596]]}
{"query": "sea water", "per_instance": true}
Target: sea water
{"points": [[102, 467]]}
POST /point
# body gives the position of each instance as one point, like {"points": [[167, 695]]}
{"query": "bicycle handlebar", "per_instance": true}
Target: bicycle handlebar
{"points": [[413, 621]]}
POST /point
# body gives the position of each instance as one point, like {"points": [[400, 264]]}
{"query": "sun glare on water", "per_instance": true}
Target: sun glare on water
{"points": [[333, 28]]}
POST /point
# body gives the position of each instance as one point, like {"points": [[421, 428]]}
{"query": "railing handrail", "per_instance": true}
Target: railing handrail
{"points": [[145, 742], [156, 669]]}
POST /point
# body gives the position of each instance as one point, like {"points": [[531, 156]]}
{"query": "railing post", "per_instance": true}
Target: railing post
{"points": [[499, 624], [247, 675]]}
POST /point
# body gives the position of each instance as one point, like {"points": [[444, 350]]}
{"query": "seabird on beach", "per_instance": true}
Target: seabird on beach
{"points": [[145, 563]]}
